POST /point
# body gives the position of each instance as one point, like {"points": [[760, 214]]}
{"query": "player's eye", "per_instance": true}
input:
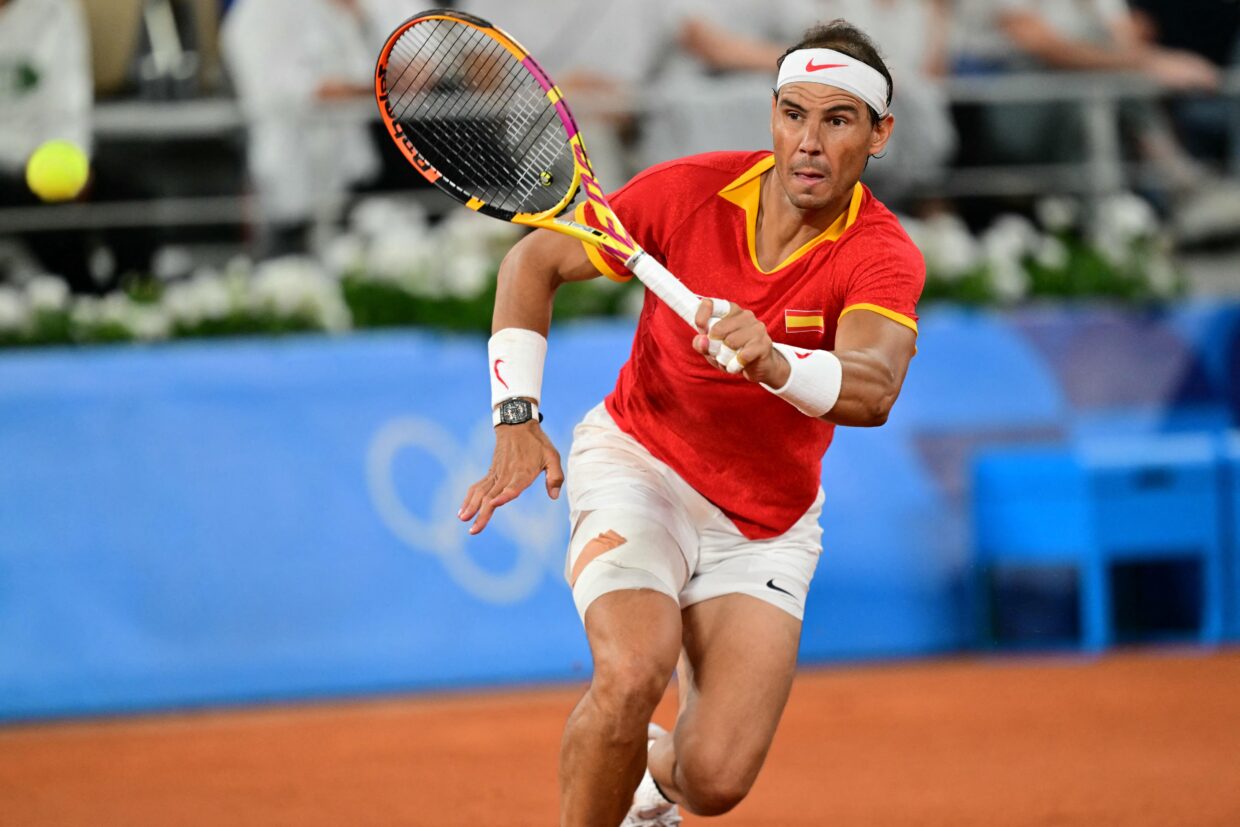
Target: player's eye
{"points": [[838, 121], [792, 115]]}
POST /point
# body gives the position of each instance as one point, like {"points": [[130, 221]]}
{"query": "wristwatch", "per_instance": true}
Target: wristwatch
{"points": [[514, 412]]}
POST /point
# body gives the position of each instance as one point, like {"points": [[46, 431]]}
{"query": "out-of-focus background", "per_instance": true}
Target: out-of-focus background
{"points": [[242, 374]]}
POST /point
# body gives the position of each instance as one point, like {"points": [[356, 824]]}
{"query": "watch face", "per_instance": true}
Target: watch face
{"points": [[515, 411]]}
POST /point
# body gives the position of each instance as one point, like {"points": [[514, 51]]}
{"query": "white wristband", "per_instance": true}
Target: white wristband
{"points": [[516, 359], [814, 380]]}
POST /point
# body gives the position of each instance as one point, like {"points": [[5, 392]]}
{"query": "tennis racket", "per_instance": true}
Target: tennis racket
{"points": [[476, 115]]}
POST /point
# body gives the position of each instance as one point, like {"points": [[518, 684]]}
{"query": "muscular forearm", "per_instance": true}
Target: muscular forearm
{"points": [[528, 278], [530, 274], [524, 292], [868, 390], [856, 384]]}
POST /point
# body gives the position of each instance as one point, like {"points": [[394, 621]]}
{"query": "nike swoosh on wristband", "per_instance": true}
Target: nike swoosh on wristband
{"points": [[799, 356], [810, 67], [770, 584], [499, 362]]}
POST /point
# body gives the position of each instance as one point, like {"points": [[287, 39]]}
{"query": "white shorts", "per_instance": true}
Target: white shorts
{"points": [[636, 524]]}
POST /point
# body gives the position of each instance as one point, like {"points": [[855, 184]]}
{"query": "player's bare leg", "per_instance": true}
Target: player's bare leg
{"points": [[635, 638], [736, 673]]}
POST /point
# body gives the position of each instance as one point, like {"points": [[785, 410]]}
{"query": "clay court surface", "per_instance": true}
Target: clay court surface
{"points": [[1148, 737]]}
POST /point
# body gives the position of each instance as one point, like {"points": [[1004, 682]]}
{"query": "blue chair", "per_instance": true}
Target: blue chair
{"points": [[1104, 502]]}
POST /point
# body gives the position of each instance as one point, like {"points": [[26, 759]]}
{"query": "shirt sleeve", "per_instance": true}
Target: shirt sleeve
{"points": [[888, 281], [644, 207]]}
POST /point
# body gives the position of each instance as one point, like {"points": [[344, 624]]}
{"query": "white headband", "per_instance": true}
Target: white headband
{"points": [[832, 68]]}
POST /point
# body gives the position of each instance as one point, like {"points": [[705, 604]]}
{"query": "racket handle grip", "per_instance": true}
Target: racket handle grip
{"points": [[723, 354], [683, 301]]}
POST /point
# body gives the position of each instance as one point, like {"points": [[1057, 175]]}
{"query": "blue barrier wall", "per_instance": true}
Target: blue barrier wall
{"points": [[232, 521]]}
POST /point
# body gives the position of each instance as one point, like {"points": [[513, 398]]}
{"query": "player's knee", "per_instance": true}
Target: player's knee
{"points": [[630, 687], [715, 782]]}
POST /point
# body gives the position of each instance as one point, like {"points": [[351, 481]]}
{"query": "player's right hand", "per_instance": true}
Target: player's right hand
{"points": [[522, 452]]}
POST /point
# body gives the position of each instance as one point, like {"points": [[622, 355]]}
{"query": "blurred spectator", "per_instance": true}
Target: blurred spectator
{"points": [[700, 72], [1093, 35], [168, 59], [714, 90], [288, 59], [1071, 35], [1209, 126], [46, 93], [718, 93], [577, 43]]}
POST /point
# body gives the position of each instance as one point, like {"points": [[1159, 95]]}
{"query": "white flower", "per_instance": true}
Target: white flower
{"points": [[466, 274], [149, 322], [171, 262], [47, 294], [1010, 237], [14, 312], [466, 228], [299, 286], [381, 216], [1123, 220], [403, 261], [1009, 279], [1161, 276], [116, 308], [85, 311], [345, 254], [947, 245], [1127, 217], [1058, 213], [204, 296], [211, 296], [239, 268], [1051, 253], [1112, 246], [113, 309]]}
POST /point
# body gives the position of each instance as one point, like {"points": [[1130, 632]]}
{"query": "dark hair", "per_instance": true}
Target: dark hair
{"points": [[843, 36]]}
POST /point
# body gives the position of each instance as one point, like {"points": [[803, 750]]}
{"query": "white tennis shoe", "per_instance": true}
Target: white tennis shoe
{"points": [[650, 808]]}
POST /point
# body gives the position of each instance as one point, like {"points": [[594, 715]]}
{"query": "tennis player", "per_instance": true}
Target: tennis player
{"points": [[694, 488]]}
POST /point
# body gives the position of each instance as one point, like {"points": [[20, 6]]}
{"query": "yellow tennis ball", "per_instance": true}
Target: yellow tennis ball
{"points": [[57, 171]]}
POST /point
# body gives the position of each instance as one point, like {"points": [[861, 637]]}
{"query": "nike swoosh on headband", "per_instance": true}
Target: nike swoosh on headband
{"points": [[810, 67]]}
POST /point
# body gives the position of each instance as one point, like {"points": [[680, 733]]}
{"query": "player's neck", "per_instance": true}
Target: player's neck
{"points": [[782, 228]]}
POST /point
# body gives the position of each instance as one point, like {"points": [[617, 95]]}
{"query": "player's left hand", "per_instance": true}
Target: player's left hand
{"points": [[741, 331]]}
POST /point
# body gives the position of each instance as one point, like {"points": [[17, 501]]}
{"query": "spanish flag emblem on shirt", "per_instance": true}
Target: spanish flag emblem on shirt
{"points": [[803, 321]]}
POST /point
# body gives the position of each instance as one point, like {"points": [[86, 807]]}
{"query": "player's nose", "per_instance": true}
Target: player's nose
{"points": [[810, 143]]}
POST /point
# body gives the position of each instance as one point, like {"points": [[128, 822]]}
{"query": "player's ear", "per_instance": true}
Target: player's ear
{"points": [[881, 134]]}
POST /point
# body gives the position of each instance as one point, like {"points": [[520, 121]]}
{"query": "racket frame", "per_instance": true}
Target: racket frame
{"points": [[614, 240], [611, 237]]}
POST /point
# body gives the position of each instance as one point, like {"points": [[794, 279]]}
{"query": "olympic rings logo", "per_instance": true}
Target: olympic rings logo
{"points": [[536, 527]]}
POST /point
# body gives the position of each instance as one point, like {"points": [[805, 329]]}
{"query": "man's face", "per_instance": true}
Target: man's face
{"points": [[822, 138]]}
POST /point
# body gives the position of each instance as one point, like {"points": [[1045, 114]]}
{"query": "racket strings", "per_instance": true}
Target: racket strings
{"points": [[425, 78], [469, 126], [480, 117], [446, 135]]}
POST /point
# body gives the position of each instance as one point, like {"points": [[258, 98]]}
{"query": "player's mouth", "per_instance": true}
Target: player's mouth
{"points": [[808, 177]]}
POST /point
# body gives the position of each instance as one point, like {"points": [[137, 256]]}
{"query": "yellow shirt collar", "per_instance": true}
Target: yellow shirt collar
{"points": [[744, 192]]}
